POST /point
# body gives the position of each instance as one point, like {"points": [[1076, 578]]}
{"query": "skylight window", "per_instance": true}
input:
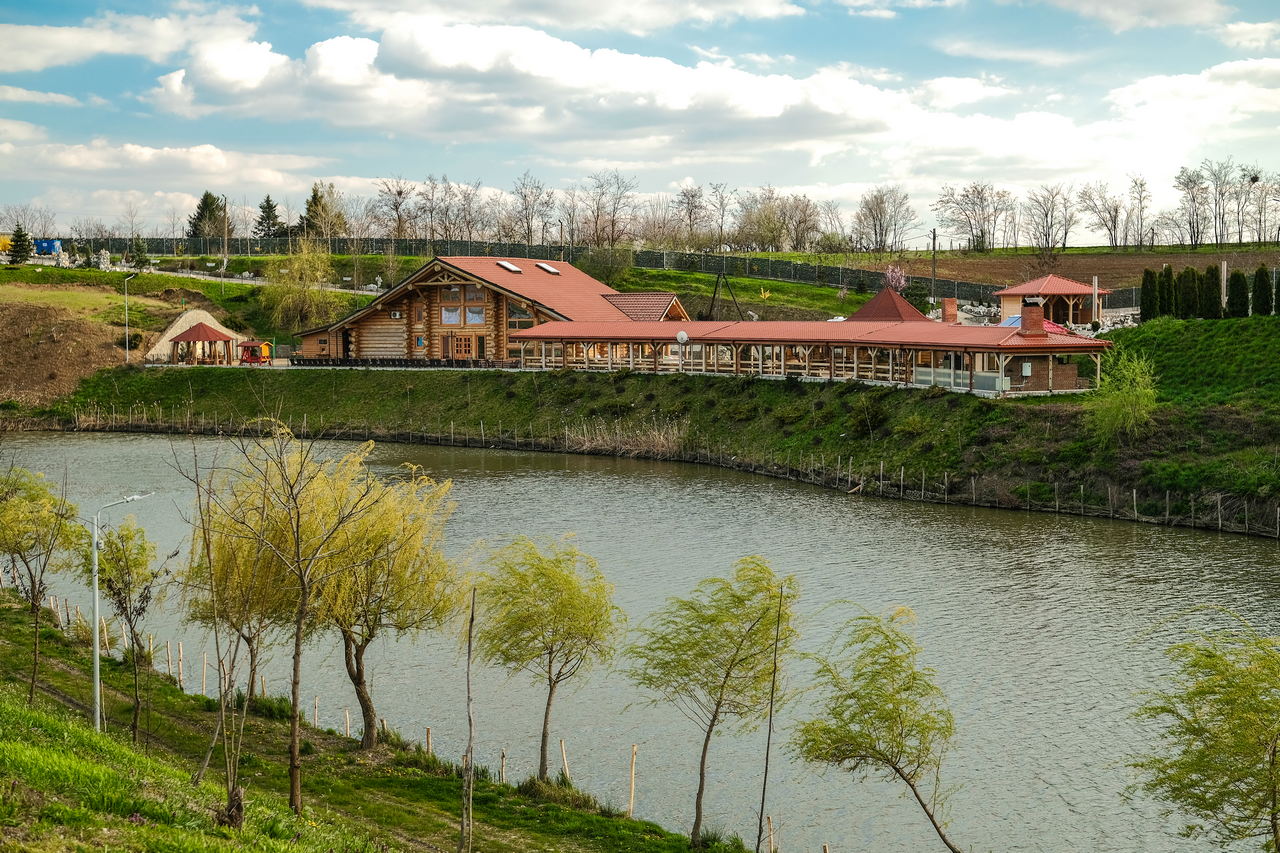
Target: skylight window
{"points": [[509, 267], [548, 268]]}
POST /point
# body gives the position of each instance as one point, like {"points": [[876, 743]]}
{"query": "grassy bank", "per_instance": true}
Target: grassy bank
{"points": [[67, 788]]}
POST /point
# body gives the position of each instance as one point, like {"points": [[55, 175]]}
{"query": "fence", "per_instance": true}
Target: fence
{"points": [[1212, 510], [821, 275]]}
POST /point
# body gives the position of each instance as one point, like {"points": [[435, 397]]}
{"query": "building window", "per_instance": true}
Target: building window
{"points": [[450, 293], [420, 342], [519, 317], [419, 313], [475, 316], [324, 342], [476, 293], [450, 316]]}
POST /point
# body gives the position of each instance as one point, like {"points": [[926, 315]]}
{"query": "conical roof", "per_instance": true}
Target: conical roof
{"points": [[200, 332], [887, 306]]}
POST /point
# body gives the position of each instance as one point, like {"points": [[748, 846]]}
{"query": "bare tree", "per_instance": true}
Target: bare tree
{"points": [[831, 218], [690, 206], [720, 202], [1221, 176], [1194, 208], [883, 218], [656, 222], [1136, 213], [1048, 214], [1105, 211], [362, 221], [973, 213], [39, 221], [569, 209], [759, 224], [534, 203], [395, 205], [610, 200], [470, 210]]}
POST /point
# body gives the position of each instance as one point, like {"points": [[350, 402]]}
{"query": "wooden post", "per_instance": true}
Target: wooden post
{"points": [[881, 481], [1056, 506], [902, 481], [1135, 504], [771, 848], [1082, 498], [631, 797], [502, 768], [429, 749], [204, 669], [1219, 513], [262, 686], [564, 762], [946, 485], [1166, 506], [168, 658], [66, 610], [315, 713], [180, 668], [346, 712]]}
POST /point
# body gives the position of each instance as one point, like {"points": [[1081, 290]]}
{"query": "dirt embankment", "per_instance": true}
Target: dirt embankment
{"points": [[46, 351]]}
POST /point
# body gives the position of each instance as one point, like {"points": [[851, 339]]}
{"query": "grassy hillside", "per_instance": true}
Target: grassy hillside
{"points": [[63, 787], [1201, 362], [770, 300]]}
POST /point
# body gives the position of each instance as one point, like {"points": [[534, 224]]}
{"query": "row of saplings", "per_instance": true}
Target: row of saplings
{"points": [[1191, 294], [287, 541]]}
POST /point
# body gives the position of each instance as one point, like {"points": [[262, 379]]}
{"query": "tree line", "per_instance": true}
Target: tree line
{"points": [[288, 544], [1194, 294]]}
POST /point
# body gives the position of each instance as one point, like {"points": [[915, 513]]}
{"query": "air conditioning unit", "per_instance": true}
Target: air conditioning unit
{"points": [[397, 315]]}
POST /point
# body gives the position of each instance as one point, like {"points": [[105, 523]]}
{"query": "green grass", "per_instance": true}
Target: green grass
{"points": [[786, 300], [63, 787], [1211, 361]]}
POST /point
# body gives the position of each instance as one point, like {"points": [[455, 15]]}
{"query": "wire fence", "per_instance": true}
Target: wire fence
{"points": [[1222, 511], [738, 266]]}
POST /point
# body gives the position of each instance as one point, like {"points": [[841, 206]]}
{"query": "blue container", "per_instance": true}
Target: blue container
{"points": [[48, 247]]}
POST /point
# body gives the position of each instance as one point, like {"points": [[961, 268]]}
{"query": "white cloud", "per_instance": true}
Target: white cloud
{"points": [[626, 15], [888, 8], [1032, 55], [37, 47], [13, 93], [12, 130], [948, 92], [1264, 35], [1122, 15], [1223, 99]]}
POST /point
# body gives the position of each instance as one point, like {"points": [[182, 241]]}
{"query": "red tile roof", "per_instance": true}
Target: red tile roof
{"points": [[1050, 285], [642, 306], [910, 334], [887, 306], [200, 332], [572, 294]]}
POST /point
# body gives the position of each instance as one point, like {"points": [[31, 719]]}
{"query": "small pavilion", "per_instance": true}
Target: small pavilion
{"points": [[200, 344], [1065, 300]]}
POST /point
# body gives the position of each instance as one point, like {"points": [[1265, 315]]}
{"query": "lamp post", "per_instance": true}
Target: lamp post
{"points": [[126, 316], [97, 641]]}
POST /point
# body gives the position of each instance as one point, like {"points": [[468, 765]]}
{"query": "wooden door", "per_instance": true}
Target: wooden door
{"points": [[464, 346]]}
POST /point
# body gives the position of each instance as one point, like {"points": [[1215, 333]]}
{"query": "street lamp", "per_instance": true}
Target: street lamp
{"points": [[126, 316], [97, 677]]}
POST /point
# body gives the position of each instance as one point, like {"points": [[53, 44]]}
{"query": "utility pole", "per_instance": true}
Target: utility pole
{"points": [[226, 235], [933, 286]]}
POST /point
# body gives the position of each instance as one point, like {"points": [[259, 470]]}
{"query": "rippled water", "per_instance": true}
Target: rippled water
{"points": [[1043, 630]]}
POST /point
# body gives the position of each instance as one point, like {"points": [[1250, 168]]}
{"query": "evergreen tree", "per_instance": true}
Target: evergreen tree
{"points": [[138, 254], [1262, 297], [1166, 290], [1237, 294], [323, 218], [1211, 293], [210, 218], [1149, 304], [20, 247], [1188, 293], [268, 223]]}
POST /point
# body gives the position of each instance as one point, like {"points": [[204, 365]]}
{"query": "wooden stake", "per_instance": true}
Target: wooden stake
{"points": [[347, 713], [631, 797], [180, 667], [262, 686], [204, 669], [66, 610], [168, 659], [429, 749], [771, 848], [502, 768], [825, 849], [564, 762], [315, 713]]}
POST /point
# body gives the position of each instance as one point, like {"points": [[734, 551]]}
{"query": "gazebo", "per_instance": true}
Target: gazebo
{"points": [[204, 345], [1065, 300]]}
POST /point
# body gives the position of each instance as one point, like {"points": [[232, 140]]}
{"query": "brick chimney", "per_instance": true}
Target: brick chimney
{"points": [[950, 313], [1032, 325]]}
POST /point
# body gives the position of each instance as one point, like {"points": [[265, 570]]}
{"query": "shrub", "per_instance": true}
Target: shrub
{"points": [[610, 265], [1124, 403], [1262, 299], [1237, 295]]}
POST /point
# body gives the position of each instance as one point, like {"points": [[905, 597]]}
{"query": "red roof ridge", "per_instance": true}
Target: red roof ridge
{"points": [[887, 305]]}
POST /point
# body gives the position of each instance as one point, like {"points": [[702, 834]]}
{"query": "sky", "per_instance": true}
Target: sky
{"points": [[153, 102]]}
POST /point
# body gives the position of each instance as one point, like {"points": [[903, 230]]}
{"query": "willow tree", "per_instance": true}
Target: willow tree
{"points": [[548, 612], [713, 655], [881, 715], [1219, 756], [38, 535], [295, 505], [297, 293], [399, 580], [130, 579]]}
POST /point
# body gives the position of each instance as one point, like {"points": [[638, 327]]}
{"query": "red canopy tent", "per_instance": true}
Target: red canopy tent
{"points": [[205, 345]]}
